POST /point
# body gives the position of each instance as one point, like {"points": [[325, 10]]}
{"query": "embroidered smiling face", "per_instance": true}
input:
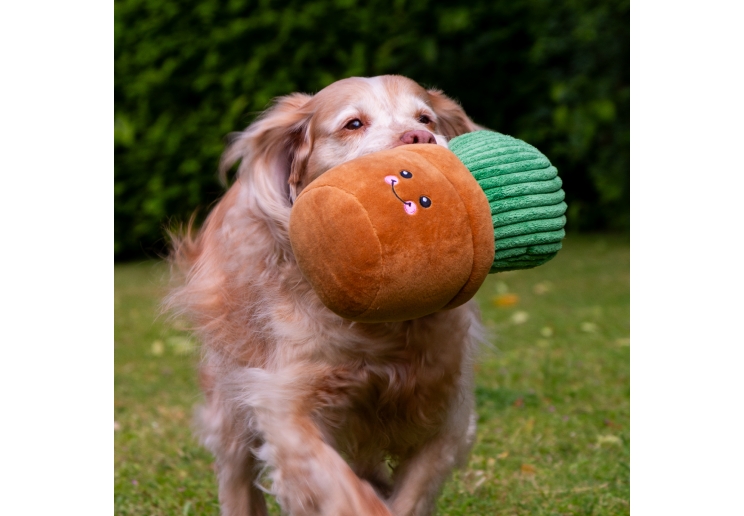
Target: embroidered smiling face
{"points": [[395, 235], [408, 206]]}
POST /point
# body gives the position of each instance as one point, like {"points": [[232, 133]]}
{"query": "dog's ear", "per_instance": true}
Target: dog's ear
{"points": [[278, 142], [451, 118]]}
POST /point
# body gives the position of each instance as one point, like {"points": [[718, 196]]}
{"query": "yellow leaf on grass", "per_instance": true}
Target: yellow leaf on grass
{"points": [[589, 327], [529, 425], [502, 455], [542, 288], [157, 348], [519, 317], [608, 439], [181, 345], [503, 300], [528, 469]]}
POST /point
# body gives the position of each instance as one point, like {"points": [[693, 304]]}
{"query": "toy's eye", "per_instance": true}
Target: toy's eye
{"points": [[354, 125], [406, 174], [424, 201], [424, 119]]}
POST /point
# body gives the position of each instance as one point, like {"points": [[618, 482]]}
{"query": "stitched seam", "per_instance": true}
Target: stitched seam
{"points": [[379, 245]]}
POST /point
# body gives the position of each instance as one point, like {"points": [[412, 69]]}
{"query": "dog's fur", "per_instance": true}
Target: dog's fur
{"points": [[348, 418]]}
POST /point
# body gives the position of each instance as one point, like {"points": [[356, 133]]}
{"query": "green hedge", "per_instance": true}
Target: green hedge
{"points": [[188, 72]]}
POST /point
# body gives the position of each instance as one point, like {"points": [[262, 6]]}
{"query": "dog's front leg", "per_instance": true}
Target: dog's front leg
{"points": [[235, 464], [309, 478], [238, 493], [419, 479]]}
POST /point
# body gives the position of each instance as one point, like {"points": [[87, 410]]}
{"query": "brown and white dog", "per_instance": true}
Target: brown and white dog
{"points": [[347, 418]]}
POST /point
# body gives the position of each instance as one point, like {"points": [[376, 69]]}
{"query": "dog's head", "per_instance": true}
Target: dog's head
{"points": [[301, 136]]}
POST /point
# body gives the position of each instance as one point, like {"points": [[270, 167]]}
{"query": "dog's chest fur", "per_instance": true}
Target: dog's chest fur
{"points": [[398, 399]]}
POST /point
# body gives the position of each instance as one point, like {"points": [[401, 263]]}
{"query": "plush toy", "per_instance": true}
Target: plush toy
{"points": [[524, 193], [406, 232]]}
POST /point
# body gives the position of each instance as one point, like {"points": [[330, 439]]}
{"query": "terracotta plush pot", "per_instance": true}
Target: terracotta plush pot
{"points": [[394, 235]]}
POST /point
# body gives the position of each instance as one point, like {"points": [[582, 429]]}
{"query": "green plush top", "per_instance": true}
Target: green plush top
{"points": [[525, 195]]}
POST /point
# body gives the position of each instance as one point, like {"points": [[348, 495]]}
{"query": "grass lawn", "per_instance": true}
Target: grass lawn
{"points": [[553, 394]]}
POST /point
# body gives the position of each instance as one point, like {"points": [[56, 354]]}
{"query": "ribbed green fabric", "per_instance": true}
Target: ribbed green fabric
{"points": [[525, 195]]}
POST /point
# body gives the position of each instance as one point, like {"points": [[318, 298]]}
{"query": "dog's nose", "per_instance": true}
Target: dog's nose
{"points": [[417, 137]]}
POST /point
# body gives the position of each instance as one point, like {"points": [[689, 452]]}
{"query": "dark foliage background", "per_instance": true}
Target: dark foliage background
{"points": [[188, 72]]}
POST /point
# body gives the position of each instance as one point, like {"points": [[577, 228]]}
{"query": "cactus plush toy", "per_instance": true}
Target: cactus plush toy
{"points": [[407, 232], [524, 195]]}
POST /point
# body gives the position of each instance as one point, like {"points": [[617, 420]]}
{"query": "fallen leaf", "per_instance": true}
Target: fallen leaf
{"points": [[473, 479], [476, 459], [528, 469], [503, 300], [542, 288], [575, 490], [611, 424], [181, 345], [608, 439], [157, 348], [519, 317], [172, 413], [478, 484], [589, 327], [529, 425]]}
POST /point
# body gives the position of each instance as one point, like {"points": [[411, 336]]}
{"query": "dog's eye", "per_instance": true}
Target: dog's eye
{"points": [[354, 125], [406, 174], [424, 201], [424, 119]]}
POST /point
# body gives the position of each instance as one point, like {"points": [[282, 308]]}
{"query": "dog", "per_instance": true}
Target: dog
{"points": [[341, 418]]}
